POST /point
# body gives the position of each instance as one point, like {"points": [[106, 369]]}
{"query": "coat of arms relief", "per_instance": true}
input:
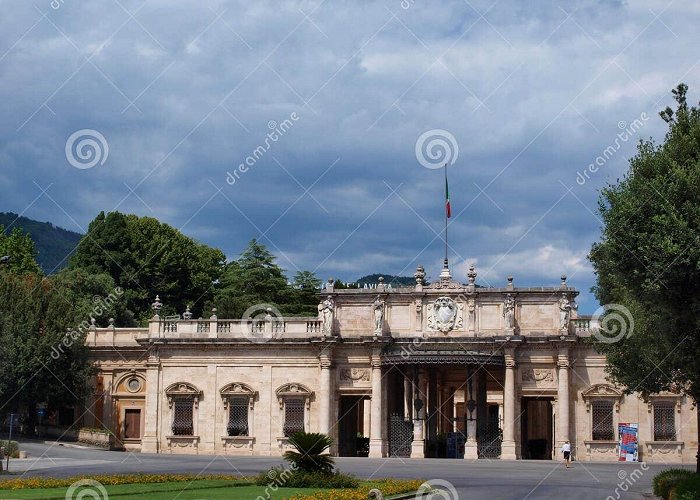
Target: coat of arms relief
{"points": [[445, 315]]}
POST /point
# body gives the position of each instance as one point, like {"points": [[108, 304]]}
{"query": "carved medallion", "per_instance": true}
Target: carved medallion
{"points": [[354, 375], [445, 315]]}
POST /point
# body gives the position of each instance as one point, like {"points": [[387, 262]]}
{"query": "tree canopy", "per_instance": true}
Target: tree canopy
{"points": [[147, 258], [648, 260], [18, 252]]}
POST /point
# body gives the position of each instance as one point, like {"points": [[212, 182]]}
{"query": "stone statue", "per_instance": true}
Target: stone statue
{"points": [[565, 307], [327, 310], [378, 308], [509, 311]]}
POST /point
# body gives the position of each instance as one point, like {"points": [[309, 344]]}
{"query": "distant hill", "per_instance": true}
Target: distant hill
{"points": [[53, 244]]}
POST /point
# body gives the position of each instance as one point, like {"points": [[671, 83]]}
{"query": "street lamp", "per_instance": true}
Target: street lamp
{"points": [[471, 404]]}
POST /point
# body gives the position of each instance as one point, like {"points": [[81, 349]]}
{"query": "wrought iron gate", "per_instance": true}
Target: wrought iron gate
{"points": [[488, 439], [400, 436]]}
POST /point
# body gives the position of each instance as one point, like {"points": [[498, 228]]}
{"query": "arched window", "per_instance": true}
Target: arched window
{"points": [[238, 405], [294, 400], [183, 401]]}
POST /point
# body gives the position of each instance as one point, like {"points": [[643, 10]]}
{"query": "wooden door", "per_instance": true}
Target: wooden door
{"points": [[132, 424]]}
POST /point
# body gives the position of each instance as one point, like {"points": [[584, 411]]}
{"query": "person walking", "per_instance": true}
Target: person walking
{"points": [[566, 451]]}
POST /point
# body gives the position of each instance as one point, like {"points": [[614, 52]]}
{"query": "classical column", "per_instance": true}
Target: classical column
{"points": [[509, 420], [407, 397], [471, 449], [324, 396], [563, 398], [376, 442], [149, 441], [418, 444]]}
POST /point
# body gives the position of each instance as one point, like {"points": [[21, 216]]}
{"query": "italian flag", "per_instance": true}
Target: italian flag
{"points": [[448, 208]]}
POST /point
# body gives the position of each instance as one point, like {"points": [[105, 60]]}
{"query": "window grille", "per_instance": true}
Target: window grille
{"points": [[603, 429], [182, 416], [237, 417], [664, 422], [293, 416]]}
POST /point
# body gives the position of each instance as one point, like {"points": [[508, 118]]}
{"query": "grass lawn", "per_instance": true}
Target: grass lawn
{"points": [[203, 489]]}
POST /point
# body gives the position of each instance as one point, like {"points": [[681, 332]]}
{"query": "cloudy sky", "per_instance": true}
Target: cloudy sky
{"points": [[186, 102]]}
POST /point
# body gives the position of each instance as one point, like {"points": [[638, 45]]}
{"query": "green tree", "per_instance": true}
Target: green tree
{"points": [[648, 261], [18, 252], [147, 258], [255, 278], [43, 357]]}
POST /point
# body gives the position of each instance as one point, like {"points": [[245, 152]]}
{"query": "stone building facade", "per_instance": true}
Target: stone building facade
{"points": [[447, 369]]}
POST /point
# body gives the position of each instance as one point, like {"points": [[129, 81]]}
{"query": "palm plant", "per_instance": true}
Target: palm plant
{"points": [[310, 454]]}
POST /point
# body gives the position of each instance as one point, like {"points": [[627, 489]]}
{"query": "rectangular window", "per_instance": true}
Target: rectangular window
{"points": [[293, 416], [664, 422], [603, 429], [182, 416], [237, 417]]}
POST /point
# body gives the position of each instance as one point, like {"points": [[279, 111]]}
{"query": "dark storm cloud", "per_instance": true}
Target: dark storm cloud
{"points": [[186, 94]]}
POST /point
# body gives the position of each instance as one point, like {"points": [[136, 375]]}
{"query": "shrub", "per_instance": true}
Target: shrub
{"points": [[666, 480], [310, 454], [287, 478], [687, 488], [11, 448]]}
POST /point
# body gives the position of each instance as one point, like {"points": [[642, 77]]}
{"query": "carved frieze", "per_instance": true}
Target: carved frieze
{"points": [[538, 376], [354, 375]]}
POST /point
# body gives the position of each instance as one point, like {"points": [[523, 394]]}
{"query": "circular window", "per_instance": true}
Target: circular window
{"points": [[133, 385]]}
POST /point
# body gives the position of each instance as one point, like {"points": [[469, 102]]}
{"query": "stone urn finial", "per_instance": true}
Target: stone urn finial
{"points": [[563, 281], [471, 275]]}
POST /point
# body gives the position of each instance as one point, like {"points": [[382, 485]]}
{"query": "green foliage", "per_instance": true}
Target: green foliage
{"points": [[11, 448], [43, 357], [688, 488], [19, 247], [53, 244], [648, 259], [310, 454], [287, 478], [147, 258], [255, 278], [665, 481]]}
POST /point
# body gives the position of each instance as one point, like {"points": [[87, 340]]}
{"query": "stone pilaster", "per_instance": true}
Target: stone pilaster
{"points": [[376, 442], [324, 404], [563, 398], [150, 439], [418, 444], [509, 396], [471, 449]]}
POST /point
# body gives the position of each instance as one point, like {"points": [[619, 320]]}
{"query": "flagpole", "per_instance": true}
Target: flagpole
{"points": [[445, 210]]}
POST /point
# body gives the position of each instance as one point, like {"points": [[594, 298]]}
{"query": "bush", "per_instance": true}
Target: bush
{"points": [[311, 452], [687, 488], [11, 449], [287, 478], [667, 480]]}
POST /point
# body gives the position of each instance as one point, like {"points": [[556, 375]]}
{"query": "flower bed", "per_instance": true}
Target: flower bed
{"points": [[47, 482], [388, 487]]}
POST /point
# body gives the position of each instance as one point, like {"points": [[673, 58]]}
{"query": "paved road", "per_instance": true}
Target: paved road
{"points": [[483, 479]]}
